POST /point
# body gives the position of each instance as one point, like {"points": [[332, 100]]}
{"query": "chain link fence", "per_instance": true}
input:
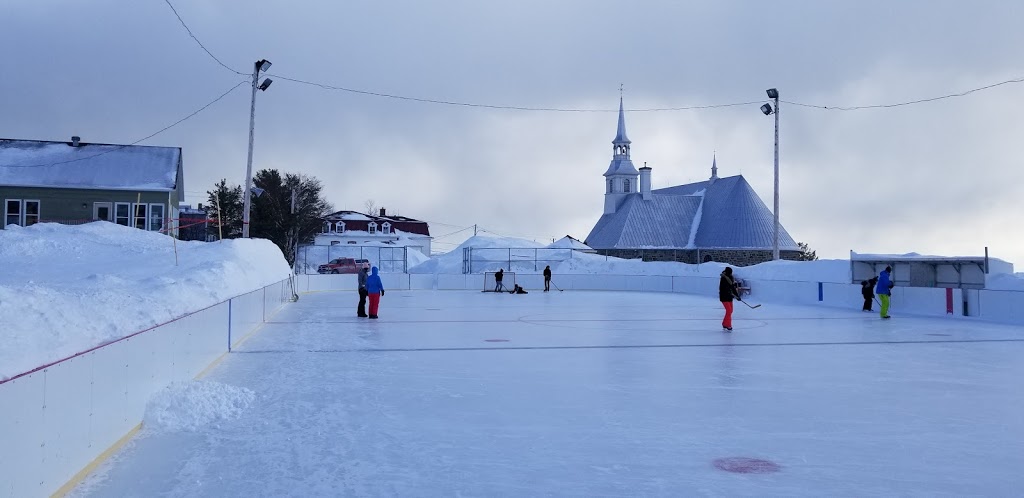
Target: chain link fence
{"points": [[387, 259], [514, 259]]}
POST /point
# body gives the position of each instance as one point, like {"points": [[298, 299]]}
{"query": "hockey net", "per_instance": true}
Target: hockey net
{"points": [[508, 280]]}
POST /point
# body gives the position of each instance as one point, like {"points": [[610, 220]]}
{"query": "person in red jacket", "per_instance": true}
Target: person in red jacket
{"points": [[726, 293]]}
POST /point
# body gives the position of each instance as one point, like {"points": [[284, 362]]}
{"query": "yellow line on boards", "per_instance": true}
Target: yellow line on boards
{"points": [[81, 475]]}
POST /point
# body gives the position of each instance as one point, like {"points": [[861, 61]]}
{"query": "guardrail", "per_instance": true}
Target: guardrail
{"points": [[57, 419]]}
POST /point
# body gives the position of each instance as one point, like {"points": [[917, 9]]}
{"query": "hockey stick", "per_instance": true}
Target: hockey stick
{"points": [[552, 283], [749, 306]]}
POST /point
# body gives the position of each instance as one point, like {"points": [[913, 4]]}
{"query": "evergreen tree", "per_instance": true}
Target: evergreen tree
{"points": [[290, 210], [806, 254], [225, 208]]}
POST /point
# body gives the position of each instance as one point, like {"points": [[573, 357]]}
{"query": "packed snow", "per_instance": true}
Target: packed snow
{"points": [[194, 404], [65, 289]]}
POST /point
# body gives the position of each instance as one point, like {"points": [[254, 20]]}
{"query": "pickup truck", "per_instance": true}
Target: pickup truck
{"points": [[339, 265]]}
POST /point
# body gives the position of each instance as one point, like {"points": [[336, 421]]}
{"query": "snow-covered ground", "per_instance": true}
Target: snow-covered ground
{"points": [[64, 289]]}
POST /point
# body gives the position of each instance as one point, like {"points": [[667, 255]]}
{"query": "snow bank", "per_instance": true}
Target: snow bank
{"points": [[191, 405], [64, 289], [451, 262], [1005, 281]]}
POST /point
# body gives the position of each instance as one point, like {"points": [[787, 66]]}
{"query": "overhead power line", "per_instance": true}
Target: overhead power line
{"points": [[495, 106], [911, 102], [214, 57], [147, 137]]}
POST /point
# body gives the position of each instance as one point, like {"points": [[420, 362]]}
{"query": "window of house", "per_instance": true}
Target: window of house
{"points": [[625, 186], [386, 227], [326, 228], [140, 216], [12, 212], [373, 227], [123, 213], [340, 226], [156, 217], [21, 212], [102, 211]]}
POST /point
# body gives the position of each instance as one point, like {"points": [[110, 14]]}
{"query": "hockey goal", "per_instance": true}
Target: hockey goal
{"points": [[508, 280]]}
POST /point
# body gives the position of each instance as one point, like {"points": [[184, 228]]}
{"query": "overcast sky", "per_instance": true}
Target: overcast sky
{"points": [[936, 178]]}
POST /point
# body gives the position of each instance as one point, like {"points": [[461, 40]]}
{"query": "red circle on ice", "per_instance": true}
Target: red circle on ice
{"points": [[496, 340], [744, 465]]}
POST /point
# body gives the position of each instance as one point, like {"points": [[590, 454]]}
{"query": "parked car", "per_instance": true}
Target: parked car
{"points": [[363, 263], [339, 265]]}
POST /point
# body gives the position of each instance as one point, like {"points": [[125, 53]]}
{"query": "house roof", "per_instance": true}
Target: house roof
{"points": [[34, 163], [357, 216], [569, 242], [726, 214]]}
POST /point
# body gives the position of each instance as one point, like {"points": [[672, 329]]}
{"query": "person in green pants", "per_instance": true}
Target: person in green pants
{"points": [[884, 289]]}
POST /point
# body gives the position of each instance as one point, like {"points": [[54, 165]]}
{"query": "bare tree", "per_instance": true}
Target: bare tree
{"points": [[371, 207]]}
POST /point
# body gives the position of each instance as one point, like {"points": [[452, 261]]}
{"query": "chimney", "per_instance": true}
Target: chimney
{"points": [[74, 141], [645, 182], [382, 213]]}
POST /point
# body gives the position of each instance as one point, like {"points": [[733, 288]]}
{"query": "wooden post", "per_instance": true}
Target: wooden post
{"points": [[220, 225]]}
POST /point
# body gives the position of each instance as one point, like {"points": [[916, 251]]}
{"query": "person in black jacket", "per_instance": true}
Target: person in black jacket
{"points": [[726, 293], [547, 278], [497, 280], [867, 289]]}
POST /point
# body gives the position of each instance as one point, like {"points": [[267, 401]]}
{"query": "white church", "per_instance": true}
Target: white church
{"points": [[720, 219]]}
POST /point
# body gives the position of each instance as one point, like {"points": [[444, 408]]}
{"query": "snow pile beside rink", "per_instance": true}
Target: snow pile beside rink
{"points": [[191, 405], [65, 289], [1005, 281], [486, 247]]}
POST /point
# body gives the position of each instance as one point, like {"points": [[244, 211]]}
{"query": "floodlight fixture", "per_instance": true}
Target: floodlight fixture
{"points": [[767, 109], [263, 65], [266, 84], [772, 93]]}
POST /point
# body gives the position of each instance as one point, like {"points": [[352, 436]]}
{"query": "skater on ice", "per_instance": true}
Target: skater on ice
{"points": [[547, 278], [361, 309], [375, 289], [498, 287], [726, 293], [884, 289], [867, 289]]}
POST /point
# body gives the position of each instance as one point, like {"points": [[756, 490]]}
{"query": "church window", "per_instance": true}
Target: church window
{"points": [[609, 185], [625, 186]]}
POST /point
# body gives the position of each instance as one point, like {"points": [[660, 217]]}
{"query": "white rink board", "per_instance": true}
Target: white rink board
{"points": [[57, 420]]}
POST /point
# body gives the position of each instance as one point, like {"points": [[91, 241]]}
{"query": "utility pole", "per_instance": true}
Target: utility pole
{"points": [[261, 65]]}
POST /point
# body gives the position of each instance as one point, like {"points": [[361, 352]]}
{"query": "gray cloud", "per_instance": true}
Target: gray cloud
{"points": [[942, 177]]}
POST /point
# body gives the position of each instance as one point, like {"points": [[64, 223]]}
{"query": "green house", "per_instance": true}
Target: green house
{"points": [[76, 182]]}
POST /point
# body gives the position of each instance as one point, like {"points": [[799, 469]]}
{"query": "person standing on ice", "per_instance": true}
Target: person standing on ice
{"points": [[726, 293], [547, 278], [361, 309], [867, 289], [884, 289], [497, 279], [375, 289]]}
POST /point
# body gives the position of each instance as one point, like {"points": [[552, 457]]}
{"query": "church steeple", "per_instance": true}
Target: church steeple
{"points": [[621, 176], [620, 145], [714, 166]]}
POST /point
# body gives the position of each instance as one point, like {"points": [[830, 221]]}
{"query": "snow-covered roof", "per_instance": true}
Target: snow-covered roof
{"points": [[32, 163], [729, 215], [569, 242]]}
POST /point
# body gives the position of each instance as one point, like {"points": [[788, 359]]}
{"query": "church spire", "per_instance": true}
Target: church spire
{"points": [[714, 166], [620, 146]]}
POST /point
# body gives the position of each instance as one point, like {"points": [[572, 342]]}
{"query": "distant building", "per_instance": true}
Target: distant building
{"points": [[193, 223], [76, 182], [351, 227], [720, 219]]}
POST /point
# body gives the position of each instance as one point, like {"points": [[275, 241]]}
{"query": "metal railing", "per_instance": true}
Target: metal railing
{"points": [[387, 259]]}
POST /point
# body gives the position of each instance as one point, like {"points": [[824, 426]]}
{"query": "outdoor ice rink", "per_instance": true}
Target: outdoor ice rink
{"points": [[460, 393]]}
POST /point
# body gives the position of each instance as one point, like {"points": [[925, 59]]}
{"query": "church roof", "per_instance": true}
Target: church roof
{"points": [[729, 215]]}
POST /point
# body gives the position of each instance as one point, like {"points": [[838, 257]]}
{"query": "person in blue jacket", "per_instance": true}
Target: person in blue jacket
{"points": [[884, 289], [374, 290]]}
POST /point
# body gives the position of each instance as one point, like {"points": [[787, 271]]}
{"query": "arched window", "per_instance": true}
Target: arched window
{"points": [[707, 258], [386, 227], [373, 227], [625, 186], [340, 227], [609, 185]]}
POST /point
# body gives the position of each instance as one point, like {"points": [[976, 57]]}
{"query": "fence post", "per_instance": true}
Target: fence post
{"points": [[229, 325], [510, 259]]}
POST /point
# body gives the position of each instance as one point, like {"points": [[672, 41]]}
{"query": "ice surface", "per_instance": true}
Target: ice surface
{"points": [[597, 394]]}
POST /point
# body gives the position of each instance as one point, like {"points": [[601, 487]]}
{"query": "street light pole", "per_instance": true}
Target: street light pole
{"points": [[260, 65], [774, 253]]}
